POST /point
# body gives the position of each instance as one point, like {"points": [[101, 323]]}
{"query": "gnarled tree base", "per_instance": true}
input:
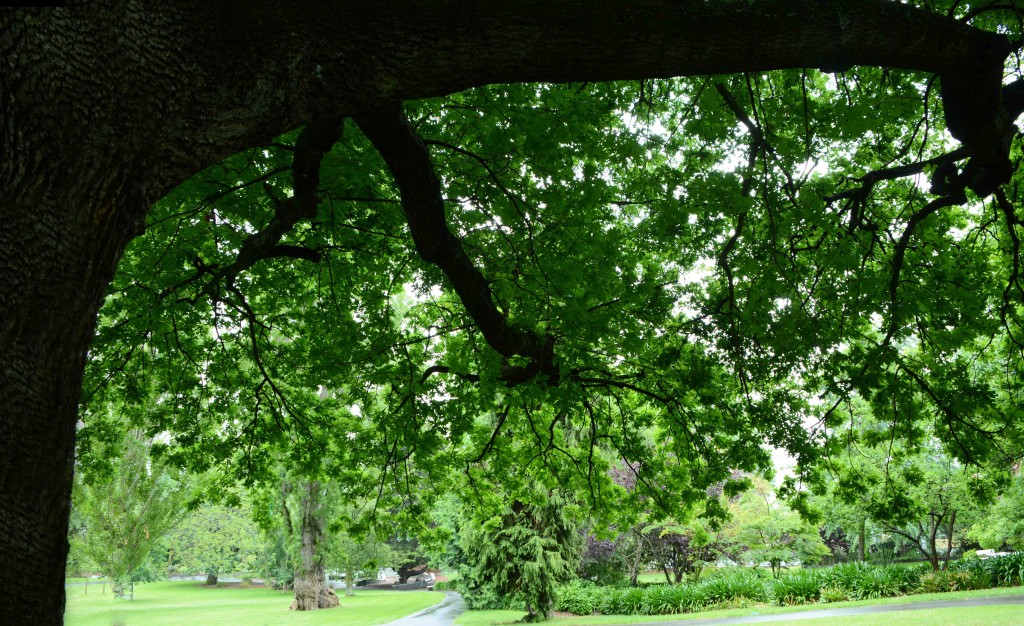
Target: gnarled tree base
{"points": [[312, 596]]}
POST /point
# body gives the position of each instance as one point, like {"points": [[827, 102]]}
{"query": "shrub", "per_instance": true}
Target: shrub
{"points": [[982, 580], [967, 564], [603, 563], [444, 585], [935, 582], [1008, 570], [611, 601], [672, 599], [906, 578], [659, 600], [968, 581], [832, 593], [578, 597], [631, 602], [689, 598], [800, 587], [743, 584], [877, 583], [845, 576]]}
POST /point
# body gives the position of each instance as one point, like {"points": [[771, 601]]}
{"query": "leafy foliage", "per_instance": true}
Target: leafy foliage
{"points": [[215, 539], [523, 552], [735, 586], [800, 587], [914, 491], [762, 528], [1004, 570], [1003, 523], [579, 597], [126, 509]]}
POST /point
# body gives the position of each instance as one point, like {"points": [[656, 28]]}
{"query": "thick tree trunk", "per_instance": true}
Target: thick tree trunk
{"points": [[211, 580], [311, 589], [61, 234], [73, 192]]}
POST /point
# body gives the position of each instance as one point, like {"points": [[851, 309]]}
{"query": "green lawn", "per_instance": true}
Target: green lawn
{"points": [[651, 577], [187, 603], [489, 618], [1005, 615]]}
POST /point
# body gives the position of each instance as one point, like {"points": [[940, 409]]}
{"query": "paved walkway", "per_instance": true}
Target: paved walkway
{"points": [[442, 614], [857, 610]]}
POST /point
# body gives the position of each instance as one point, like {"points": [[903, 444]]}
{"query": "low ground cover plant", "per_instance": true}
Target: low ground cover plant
{"points": [[848, 581]]}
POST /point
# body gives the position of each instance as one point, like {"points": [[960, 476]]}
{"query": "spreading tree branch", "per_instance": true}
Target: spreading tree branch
{"points": [[315, 140], [407, 157]]}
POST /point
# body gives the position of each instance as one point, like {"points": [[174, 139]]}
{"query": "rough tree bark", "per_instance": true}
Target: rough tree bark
{"points": [[104, 107], [311, 590], [350, 581]]}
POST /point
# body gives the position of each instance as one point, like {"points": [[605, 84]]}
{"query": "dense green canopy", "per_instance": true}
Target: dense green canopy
{"points": [[524, 283]]}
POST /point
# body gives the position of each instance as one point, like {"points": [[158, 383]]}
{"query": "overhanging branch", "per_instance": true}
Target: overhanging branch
{"points": [[408, 159], [314, 141]]}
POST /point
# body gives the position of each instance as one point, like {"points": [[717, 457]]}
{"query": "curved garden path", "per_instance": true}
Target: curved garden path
{"points": [[441, 614]]}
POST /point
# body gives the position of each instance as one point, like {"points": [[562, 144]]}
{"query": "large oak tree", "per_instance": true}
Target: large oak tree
{"points": [[105, 107]]}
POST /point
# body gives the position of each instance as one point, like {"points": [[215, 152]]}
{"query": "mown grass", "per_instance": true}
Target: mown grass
{"points": [[490, 618], [1000, 615], [188, 603], [651, 578]]}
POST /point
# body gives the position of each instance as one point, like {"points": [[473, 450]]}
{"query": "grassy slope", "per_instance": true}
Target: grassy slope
{"points": [[487, 618], [187, 603]]}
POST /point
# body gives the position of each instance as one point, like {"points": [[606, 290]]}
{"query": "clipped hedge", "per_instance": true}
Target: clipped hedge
{"points": [[848, 581]]}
